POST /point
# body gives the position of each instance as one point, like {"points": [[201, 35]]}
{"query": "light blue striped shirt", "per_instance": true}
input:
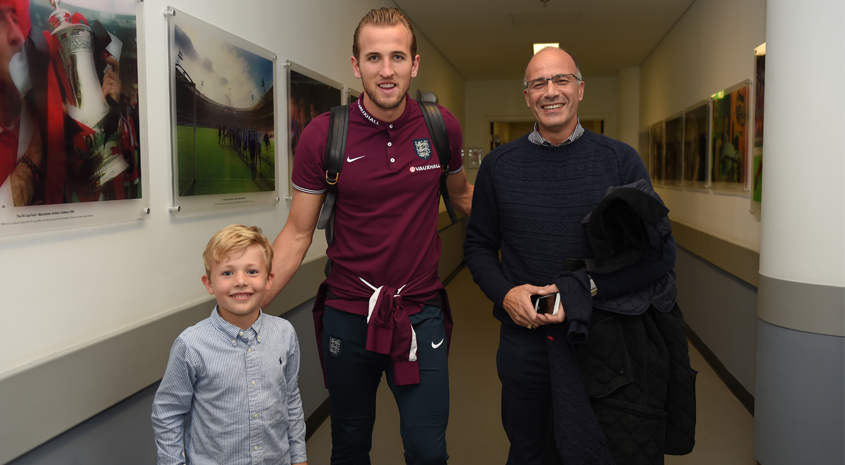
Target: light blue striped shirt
{"points": [[230, 396]]}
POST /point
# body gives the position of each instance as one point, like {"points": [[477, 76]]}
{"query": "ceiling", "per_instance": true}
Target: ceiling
{"points": [[492, 39]]}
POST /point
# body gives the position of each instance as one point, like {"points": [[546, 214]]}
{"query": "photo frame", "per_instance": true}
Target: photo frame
{"points": [[223, 119], [696, 152], [673, 149], [89, 167], [757, 146], [351, 95], [657, 153], [730, 139], [309, 94], [643, 145], [473, 157]]}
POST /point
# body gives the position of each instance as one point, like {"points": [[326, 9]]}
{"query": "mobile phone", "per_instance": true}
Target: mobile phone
{"points": [[548, 304]]}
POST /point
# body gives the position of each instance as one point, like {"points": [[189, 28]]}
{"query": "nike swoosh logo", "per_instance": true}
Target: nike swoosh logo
{"points": [[434, 346], [350, 160]]}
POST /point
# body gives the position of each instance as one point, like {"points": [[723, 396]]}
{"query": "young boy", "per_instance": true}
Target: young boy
{"points": [[229, 394]]}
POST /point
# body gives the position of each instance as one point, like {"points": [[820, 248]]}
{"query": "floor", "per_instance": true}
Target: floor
{"points": [[724, 431]]}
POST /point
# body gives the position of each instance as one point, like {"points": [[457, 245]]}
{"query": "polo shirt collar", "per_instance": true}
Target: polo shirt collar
{"points": [[377, 123], [231, 331]]}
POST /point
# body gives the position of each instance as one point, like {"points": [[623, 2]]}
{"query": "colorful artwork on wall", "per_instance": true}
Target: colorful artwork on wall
{"points": [[223, 118], [71, 120], [696, 133], [729, 138], [309, 95]]}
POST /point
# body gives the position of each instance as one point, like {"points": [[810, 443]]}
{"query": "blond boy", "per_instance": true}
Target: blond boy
{"points": [[229, 394]]}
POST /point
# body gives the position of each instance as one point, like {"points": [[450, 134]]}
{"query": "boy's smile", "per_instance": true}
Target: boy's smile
{"points": [[239, 283]]}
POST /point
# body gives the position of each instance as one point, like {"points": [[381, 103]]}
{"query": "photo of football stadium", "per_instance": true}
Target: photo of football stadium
{"points": [[225, 124], [310, 95]]}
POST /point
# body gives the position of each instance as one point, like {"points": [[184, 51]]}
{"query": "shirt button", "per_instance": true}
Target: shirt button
{"points": [[255, 448], [392, 160], [241, 333], [391, 126], [390, 144], [253, 382], [249, 350], [234, 341], [255, 416]]}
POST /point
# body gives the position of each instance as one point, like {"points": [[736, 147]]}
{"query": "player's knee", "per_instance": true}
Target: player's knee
{"points": [[426, 453]]}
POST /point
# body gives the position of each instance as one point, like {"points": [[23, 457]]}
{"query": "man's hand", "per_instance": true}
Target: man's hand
{"points": [[518, 305], [551, 319], [111, 81]]}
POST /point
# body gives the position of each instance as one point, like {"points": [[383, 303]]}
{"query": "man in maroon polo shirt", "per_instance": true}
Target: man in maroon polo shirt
{"points": [[383, 307]]}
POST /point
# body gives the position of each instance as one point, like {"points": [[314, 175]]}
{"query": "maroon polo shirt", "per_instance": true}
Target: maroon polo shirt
{"points": [[387, 203]]}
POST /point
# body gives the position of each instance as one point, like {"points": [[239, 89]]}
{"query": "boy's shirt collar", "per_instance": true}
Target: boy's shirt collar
{"points": [[232, 332]]}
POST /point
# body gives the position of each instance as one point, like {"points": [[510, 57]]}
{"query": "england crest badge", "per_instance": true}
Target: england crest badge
{"points": [[423, 148], [334, 346]]}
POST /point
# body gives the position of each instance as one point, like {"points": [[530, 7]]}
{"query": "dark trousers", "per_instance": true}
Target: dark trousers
{"points": [[523, 366], [353, 375]]}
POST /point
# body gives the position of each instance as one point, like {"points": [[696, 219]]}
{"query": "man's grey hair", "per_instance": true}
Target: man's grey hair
{"points": [[577, 68]]}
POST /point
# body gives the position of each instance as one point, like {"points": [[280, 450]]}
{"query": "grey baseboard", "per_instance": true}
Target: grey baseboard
{"points": [[738, 390]]}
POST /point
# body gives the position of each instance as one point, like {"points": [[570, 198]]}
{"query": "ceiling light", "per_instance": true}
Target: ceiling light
{"points": [[538, 47]]}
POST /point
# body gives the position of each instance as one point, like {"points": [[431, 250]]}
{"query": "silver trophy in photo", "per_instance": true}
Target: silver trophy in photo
{"points": [[100, 161]]}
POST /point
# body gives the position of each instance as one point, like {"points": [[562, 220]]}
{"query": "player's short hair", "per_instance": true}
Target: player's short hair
{"points": [[384, 17], [21, 8], [235, 239]]}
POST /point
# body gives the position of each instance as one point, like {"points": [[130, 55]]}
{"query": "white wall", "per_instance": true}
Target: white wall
{"points": [[69, 287], [709, 49]]}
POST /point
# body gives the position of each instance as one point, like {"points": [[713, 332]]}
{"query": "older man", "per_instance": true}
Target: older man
{"points": [[530, 198]]}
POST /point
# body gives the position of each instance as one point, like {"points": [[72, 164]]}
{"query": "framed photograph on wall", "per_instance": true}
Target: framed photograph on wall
{"points": [[74, 154], [729, 139], [757, 147], [696, 138], [223, 120], [473, 159], [674, 148], [644, 142], [309, 95], [351, 95], [657, 153]]}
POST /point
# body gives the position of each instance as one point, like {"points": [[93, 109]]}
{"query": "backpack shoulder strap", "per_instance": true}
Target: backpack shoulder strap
{"points": [[440, 138], [333, 163]]}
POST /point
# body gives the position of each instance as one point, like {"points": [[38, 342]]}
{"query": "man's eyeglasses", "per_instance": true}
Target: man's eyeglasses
{"points": [[561, 80]]}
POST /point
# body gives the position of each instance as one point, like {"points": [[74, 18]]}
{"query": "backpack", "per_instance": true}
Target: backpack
{"points": [[336, 147]]}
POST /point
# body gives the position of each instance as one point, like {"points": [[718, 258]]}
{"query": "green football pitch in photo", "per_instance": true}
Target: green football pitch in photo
{"points": [[213, 168]]}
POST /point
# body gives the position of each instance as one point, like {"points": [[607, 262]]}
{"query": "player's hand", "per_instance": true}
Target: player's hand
{"points": [[518, 305], [111, 80], [551, 319]]}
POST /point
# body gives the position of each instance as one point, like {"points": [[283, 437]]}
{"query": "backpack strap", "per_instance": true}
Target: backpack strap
{"points": [[440, 138], [335, 148]]}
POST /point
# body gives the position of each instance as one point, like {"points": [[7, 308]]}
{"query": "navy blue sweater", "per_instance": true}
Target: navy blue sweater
{"points": [[528, 203]]}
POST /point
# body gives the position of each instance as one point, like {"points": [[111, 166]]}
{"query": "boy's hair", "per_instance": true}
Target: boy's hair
{"points": [[383, 17], [234, 239]]}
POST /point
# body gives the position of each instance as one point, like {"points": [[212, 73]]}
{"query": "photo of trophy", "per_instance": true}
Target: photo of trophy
{"points": [[97, 160]]}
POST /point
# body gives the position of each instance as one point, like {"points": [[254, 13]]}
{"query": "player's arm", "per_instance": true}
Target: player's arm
{"points": [[460, 191], [290, 246]]}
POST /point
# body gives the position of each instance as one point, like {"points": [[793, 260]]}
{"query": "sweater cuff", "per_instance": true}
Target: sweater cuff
{"points": [[574, 288]]}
